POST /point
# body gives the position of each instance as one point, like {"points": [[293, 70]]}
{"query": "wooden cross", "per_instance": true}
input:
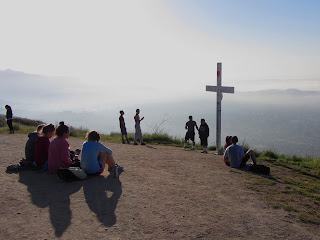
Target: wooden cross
{"points": [[219, 90]]}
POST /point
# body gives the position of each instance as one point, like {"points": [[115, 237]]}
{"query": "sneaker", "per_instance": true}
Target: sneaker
{"points": [[143, 144], [123, 142], [128, 141], [204, 152], [192, 148], [135, 144]]}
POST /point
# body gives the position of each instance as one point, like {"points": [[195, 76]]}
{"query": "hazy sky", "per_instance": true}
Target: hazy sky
{"points": [[126, 51]]}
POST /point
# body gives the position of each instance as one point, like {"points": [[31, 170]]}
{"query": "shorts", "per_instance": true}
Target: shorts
{"points": [[204, 141], [123, 131], [190, 135], [98, 172]]}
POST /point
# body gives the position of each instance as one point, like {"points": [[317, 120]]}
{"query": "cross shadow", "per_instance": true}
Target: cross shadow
{"points": [[96, 190], [47, 190]]}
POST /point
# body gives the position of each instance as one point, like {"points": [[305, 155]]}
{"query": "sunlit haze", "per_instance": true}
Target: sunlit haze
{"points": [[120, 52]]}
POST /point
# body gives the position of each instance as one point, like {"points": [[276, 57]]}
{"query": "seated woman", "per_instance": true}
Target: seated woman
{"points": [[41, 146], [95, 155], [29, 148], [59, 154], [228, 142]]}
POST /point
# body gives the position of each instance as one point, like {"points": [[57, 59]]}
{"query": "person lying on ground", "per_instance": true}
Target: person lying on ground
{"points": [[234, 155]]}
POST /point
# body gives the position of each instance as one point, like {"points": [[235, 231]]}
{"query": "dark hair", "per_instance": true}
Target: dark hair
{"points": [[190, 117], [61, 129], [228, 139], [137, 109], [40, 127], [121, 111], [93, 136], [202, 119], [234, 139], [48, 128]]}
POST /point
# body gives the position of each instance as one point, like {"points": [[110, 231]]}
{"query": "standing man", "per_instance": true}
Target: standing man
{"points": [[190, 125], [203, 135], [138, 134], [9, 118], [123, 128]]}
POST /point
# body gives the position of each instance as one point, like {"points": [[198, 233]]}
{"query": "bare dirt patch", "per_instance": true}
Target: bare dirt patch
{"points": [[164, 193]]}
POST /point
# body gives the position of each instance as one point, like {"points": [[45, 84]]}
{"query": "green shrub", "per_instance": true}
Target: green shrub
{"points": [[245, 146], [16, 127], [3, 122], [27, 122], [270, 154], [78, 132], [212, 148]]}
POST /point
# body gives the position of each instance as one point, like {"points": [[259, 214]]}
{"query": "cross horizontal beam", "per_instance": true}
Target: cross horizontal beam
{"points": [[221, 89]]}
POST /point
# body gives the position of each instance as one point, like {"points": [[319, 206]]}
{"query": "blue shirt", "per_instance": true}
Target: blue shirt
{"points": [[233, 153], [89, 156]]}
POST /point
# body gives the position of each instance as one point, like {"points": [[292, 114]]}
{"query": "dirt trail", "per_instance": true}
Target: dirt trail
{"points": [[165, 193]]}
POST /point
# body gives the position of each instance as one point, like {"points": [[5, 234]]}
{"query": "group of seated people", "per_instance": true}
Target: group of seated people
{"points": [[43, 154], [234, 155]]}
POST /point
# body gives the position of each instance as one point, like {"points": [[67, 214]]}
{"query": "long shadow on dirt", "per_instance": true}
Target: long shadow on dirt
{"points": [[96, 191], [48, 190]]}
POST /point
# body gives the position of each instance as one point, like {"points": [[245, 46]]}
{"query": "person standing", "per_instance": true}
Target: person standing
{"points": [[138, 133], [203, 135], [123, 128], [190, 125], [9, 118]]}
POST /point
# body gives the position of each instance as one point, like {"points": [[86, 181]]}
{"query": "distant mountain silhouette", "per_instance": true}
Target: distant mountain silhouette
{"points": [[287, 92]]}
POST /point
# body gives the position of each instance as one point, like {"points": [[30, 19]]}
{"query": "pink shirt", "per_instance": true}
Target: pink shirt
{"points": [[59, 155]]}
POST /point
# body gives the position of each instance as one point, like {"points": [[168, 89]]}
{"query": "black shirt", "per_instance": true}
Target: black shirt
{"points": [[204, 130], [121, 119], [191, 125]]}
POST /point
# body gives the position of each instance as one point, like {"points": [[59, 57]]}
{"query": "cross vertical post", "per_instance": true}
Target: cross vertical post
{"points": [[219, 90]]}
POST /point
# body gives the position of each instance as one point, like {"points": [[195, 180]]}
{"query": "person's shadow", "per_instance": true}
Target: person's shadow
{"points": [[47, 190], [96, 193]]}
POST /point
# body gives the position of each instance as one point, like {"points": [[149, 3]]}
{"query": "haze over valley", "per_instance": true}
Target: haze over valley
{"points": [[286, 121]]}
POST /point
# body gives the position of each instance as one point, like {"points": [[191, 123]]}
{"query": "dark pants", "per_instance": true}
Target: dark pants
{"points": [[9, 122], [245, 160]]}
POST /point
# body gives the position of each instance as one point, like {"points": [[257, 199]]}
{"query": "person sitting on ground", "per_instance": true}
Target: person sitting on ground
{"points": [[29, 148], [228, 142], [59, 154], [234, 155], [95, 155], [203, 135], [41, 146]]}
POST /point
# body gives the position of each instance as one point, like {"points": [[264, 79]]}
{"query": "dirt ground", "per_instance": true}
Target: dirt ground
{"points": [[164, 193]]}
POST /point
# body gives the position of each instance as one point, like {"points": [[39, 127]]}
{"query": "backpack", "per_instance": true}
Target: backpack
{"points": [[71, 174], [260, 169]]}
